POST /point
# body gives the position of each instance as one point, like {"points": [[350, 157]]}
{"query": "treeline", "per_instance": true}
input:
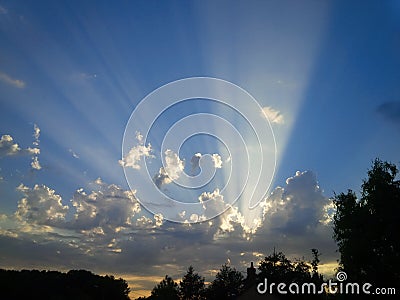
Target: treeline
{"points": [[75, 284], [230, 283]]}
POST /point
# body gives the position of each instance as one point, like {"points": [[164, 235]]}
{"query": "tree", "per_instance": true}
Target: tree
{"points": [[228, 284], [167, 289], [277, 268], [192, 286], [366, 230], [76, 284]]}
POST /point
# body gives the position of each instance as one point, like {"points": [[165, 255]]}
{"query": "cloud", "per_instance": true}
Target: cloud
{"points": [[299, 207], [159, 219], [273, 115], [109, 207], [108, 232], [40, 205], [73, 153], [217, 161], [35, 159], [136, 153], [35, 164], [9, 148], [3, 10], [173, 168], [36, 134], [390, 111], [195, 160], [11, 81]]}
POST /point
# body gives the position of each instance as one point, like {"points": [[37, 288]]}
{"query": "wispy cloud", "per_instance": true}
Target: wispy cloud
{"points": [[390, 111], [3, 10], [273, 115], [11, 81]]}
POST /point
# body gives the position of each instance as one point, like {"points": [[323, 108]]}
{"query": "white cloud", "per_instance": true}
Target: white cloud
{"points": [[159, 219], [217, 161], [36, 134], [109, 207], [173, 168], [73, 153], [173, 165], [273, 115], [136, 153], [216, 158], [40, 205], [144, 222], [35, 159], [213, 203], [298, 207], [11, 81], [35, 164], [9, 148]]}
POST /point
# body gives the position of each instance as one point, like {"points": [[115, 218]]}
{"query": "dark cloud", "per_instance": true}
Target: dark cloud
{"points": [[390, 111], [110, 233]]}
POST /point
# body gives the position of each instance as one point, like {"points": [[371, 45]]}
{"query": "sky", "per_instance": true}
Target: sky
{"points": [[141, 137]]}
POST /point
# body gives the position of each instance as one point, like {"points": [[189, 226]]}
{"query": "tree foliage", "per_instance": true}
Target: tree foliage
{"points": [[367, 229], [228, 284], [192, 286], [278, 268], [76, 284], [167, 289]]}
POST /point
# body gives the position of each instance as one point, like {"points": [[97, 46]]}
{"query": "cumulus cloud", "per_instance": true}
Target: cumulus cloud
{"points": [[273, 115], [40, 205], [109, 207], [109, 227], [298, 207], [136, 153], [173, 168], [213, 203], [195, 160], [159, 219], [11, 81], [35, 164], [9, 148]]}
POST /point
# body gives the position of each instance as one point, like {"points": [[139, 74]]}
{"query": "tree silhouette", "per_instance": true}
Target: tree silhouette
{"points": [[277, 268], [367, 229], [167, 289], [76, 284], [192, 286], [228, 284]]}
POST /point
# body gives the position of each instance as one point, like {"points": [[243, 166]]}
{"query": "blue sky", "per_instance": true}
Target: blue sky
{"points": [[326, 72]]}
